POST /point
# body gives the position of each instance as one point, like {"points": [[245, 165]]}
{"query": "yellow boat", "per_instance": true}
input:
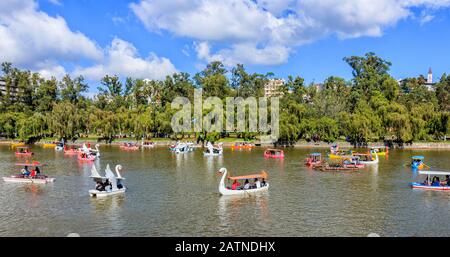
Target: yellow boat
{"points": [[340, 155], [380, 151], [15, 145], [49, 145]]}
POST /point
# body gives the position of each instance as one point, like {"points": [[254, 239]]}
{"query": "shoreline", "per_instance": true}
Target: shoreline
{"points": [[301, 144]]}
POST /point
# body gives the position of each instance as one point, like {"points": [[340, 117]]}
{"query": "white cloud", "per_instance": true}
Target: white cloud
{"points": [[35, 40], [122, 59], [268, 30], [55, 2]]}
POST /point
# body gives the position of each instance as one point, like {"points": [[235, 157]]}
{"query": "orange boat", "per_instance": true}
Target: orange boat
{"points": [[239, 146]]}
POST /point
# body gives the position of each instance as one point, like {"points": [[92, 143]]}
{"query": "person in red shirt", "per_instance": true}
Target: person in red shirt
{"points": [[235, 185], [33, 173]]}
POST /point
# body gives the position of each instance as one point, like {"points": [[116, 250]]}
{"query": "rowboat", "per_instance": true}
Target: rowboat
{"points": [[147, 145], [417, 162], [353, 162], [23, 152], [108, 185], [274, 153], [34, 176], [435, 185], [367, 158], [335, 167], [71, 151], [314, 159], [129, 147], [228, 191], [245, 145], [380, 151]]}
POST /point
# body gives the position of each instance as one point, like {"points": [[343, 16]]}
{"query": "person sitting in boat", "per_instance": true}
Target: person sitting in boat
{"points": [[263, 182], [107, 183], [235, 185], [246, 185], [119, 185], [99, 186], [25, 172], [436, 182], [33, 173], [257, 183], [38, 171]]}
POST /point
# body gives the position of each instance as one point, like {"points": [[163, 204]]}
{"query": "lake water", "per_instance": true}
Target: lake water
{"points": [[177, 195]]}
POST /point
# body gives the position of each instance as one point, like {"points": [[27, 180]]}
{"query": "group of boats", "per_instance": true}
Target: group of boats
{"points": [[336, 161]]}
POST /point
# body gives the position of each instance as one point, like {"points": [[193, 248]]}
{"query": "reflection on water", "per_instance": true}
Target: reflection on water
{"points": [[177, 195]]}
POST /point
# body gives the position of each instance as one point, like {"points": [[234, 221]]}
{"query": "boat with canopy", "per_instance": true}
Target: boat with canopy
{"points": [[147, 144], [228, 191], [71, 150], [335, 166], [30, 176], [274, 153], [434, 184], [182, 147], [314, 159], [23, 151], [109, 184]]}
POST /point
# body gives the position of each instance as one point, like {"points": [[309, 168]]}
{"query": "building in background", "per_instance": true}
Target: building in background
{"points": [[5, 90], [273, 88], [429, 84]]}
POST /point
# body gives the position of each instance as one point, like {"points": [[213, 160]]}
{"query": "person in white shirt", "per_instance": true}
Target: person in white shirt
{"points": [[257, 183], [246, 185]]}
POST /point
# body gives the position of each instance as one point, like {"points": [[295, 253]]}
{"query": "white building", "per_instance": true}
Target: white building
{"points": [[273, 87], [430, 85]]}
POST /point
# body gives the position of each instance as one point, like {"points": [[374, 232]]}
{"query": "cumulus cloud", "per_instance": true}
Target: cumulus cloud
{"points": [[265, 32], [122, 59], [35, 40]]}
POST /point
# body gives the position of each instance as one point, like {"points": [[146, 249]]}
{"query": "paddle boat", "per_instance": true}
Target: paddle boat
{"points": [[86, 157], [23, 152], [429, 184], [274, 153], [340, 154], [314, 159], [59, 146], [235, 189], [368, 158], [244, 145], [129, 147], [34, 176], [182, 148], [353, 162], [417, 162], [213, 151], [108, 185], [88, 150], [380, 151]]}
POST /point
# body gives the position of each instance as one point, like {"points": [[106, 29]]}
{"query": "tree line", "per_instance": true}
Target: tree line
{"points": [[372, 106]]}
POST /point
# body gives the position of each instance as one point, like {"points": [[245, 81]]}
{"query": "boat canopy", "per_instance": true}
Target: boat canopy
{"points": [[430, 172], [22, 147], [361, 154], [263, 175], [33, 164], [418, 158], [316, 154]]}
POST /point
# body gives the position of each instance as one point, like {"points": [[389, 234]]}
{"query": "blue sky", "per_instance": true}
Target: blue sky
{"points": [[153, 38]]}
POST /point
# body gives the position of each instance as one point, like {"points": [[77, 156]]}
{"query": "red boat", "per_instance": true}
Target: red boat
{"points": [[23, 152], [314, 159], [274, 153], [86, 157]]}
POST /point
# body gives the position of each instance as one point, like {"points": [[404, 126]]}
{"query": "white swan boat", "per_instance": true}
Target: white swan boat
{"points": [[367, 159], [182, 148], [112, 185], [213, 151], [89, 151], [34, 176], [226, 191]]}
